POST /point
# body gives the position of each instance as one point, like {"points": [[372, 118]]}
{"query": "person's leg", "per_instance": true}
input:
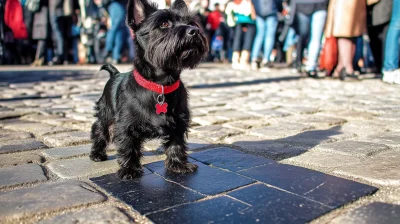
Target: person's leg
{"points": [[374, 33], [247, 44], [346, 54], [237, 41], [56, 24], [302, 28], [116, 13], [391, 73], [259, 38], [271, 23], [314, 47]]}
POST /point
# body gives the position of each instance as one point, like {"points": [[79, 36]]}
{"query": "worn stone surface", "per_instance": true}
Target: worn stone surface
{"points": [[388, 138], [381, 169], [200, 180], [15, 175], [8, 135], [46, 198], [67, 139], [280, 131], [83, 167], [21, 145], [101, 215], [355, 148], [214, 132], [147, 194], [323, 160], [65, 152], [377, 213], [38, 129], [19, 158]]}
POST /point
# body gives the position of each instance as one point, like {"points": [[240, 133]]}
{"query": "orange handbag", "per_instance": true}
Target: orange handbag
{"points": [[329, 55]]}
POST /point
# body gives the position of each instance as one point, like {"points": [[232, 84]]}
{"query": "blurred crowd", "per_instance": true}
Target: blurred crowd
{"points": [[340, 38]]}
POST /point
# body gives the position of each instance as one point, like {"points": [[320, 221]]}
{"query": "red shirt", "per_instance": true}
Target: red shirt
{"points": [[214, 19]]}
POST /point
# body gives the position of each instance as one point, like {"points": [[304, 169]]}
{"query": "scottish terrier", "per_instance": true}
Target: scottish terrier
{"points": [[150, 102]]}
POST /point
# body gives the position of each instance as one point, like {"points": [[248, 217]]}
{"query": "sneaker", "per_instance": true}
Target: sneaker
{"points": [[266, 66], [397, 80], [254, 65], [389, 76]]}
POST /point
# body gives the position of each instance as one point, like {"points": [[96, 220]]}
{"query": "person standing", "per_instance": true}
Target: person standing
{"points": [[266, 24], [115, 35], [391, 71], [41, 32], [346, 21], [61, 24], [378, 18]]}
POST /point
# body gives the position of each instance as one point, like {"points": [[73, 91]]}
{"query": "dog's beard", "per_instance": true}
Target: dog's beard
{"points": [[171, 52]]}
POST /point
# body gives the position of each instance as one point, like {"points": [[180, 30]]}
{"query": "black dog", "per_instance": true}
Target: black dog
{"points": [[150, 102]]}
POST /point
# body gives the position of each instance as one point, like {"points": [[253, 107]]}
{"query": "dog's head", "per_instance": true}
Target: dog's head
{"points": [[169, 39]]}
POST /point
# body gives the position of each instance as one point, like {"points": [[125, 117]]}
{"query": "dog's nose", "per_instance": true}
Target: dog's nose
{"points": [[192, 31]]}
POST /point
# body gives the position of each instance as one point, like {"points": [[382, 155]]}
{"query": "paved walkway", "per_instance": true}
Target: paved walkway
{"points": [[271, 148]]}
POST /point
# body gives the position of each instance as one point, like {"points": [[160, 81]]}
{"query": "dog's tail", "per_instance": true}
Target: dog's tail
{"points": [[110, 69]]}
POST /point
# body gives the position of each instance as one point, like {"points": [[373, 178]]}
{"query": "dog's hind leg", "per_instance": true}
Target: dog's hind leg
{"points": [[129, 153], [100, 138]]}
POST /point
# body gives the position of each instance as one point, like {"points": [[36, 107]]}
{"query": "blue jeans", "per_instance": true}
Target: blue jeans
{"points": [[266, 29], [310, 26], [392, 49], [115, 36]]}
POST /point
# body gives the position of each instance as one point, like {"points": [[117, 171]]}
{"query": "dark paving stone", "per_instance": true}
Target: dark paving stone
{"points": [[7, 135], [216, 210], [270, 205], [327, 189], [21, 145], [19, 158], [374, 213], [206, 180], [147, 194], [46, 198], [27, 173], [66, 152], [230, 159]]}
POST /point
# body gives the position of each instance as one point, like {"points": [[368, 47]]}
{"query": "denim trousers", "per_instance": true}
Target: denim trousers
{"points": [[392, 48], [243, 40], [115, 35], [266, 29], [310, 27]]}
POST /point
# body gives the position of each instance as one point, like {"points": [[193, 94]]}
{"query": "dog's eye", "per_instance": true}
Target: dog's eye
{"points": [[165, 25]]}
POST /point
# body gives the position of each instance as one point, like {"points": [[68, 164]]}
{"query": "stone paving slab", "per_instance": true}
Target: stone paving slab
{"points": [[67, 139], [374, 213], [280, 131], [200, 180], [83, 167], [101, 215], [351, 147], [380, 169], [7, 135], [323, 159], [326, 189], [217, 210], [23, 174], [214, 132], [21, 145], [38, 129], [270, 205], [19, 158], [66, 152], [237, 160], [148, 194], [46, 198], [389, 138]]}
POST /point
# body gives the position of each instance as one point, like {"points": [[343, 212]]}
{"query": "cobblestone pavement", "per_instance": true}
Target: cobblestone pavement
{"points": [[271, 148]]}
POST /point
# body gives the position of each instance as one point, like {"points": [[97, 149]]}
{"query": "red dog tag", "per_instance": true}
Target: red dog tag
{"points": [[161, 108]]}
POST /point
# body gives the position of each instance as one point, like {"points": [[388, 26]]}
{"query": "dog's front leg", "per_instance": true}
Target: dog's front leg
{"points": [[128, 152]]}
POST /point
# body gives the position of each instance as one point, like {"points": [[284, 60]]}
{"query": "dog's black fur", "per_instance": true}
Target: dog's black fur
{"points": [[167, 41]]}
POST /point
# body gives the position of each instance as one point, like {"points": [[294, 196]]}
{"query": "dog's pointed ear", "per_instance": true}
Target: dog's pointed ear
{"points": [[180, 5], [138, 10]]}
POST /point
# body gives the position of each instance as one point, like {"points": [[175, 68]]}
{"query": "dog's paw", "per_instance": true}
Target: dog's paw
{"points": [[127, 174], [182, 167], [98, 157]]}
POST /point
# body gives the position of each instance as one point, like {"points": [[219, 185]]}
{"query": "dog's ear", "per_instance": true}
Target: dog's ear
{"points": [[138, 10], [180, 5]]}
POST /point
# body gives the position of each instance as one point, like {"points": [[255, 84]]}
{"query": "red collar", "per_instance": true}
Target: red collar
{"points": [[154, 86]]}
